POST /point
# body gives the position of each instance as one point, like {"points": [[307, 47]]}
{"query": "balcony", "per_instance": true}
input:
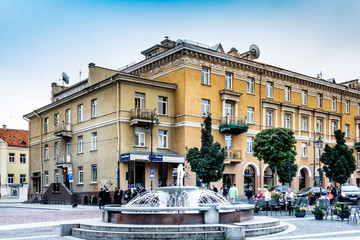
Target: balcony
{"points": [[357, 143], [63, 130], [141, 116], [233, 125], [233, 156], [62, 159]]}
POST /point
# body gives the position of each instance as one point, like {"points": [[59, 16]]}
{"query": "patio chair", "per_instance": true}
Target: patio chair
{"points": [[261, 206], [325, 204], [274, 205], [354, 213]]}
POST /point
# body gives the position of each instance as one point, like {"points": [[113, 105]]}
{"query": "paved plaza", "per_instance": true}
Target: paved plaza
{"points": [[35, 221]]}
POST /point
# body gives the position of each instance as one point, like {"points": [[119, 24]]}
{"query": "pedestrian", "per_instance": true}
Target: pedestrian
{"points": [[127, 195], [224, 192], [107, 196], [267, 194], [311, 199], [101, 198], [249, 195], [333, 191], [215, 189], [259, 195], [134, 193], [121, 193], [289, 197], [233, 193], [116, 196]]}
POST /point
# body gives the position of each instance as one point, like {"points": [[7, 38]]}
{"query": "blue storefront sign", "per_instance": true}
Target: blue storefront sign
{"points": [[156, 158], [124, 157]]}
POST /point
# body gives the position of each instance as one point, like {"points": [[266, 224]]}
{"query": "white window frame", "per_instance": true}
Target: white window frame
{"points": [[287, 92], [304, 149], [163, 139], [22, 178], [162, 105], [304, 97], [269, 89], [358, 111], [228, 141], [205, 107], [11, 158], [269, 118], [333, 104], [46, 178], [94, 141], [333, 127], [94, 108], [249, 145], [94, 173], [22, 158], [228, 80], [347, 130], [46, 125], [287, 120], [56, 148], [80, 112], [140, 100], [56, 119], [319, 98], [250, 115], [68, 116], [80, 144], [229, 109], [304, 123], [141, 139], [205, 76], [347, 106], [319, 125], [81, 175], [11, 178], [46, 152], [68, 147], [250, 85]]}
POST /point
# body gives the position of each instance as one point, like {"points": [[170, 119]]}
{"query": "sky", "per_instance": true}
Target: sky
{"points": [[40, 39]]}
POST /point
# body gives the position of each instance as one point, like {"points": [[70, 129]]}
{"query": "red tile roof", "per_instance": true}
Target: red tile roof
{"points": [[15, 137]]}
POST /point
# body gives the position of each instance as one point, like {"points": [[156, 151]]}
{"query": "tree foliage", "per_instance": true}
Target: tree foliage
{"points": [[339, 160], [208, 162], [275, 146]]}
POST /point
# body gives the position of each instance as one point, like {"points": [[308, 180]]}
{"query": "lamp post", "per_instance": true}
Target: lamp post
{"points": [[316, 142], [319, 144], [154, 121]]}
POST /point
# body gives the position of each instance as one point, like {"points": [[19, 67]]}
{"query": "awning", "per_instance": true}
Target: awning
{"points": [[156, 157]]}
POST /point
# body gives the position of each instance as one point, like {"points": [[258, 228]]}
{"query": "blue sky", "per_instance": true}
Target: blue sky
{"points": [[40, 39]]}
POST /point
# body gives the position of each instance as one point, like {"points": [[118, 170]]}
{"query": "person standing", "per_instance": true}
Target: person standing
{"points": [[224, 192], [106, 196], [333, 191], [121, 193], [233, 193], [101, 198], [249, 195], [116, 195]]}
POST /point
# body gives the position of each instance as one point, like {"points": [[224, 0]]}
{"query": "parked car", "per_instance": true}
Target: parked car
{"points": [[304, 192], [349, 193], [281, 189]]}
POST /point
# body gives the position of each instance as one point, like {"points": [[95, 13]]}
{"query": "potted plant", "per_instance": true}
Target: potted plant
{"points": [[318, 212], [299, 211], [344, 213], [276, 195]]}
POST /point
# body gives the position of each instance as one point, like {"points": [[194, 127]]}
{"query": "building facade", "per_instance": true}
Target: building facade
{"points": [[14, 163], [117, 119]]}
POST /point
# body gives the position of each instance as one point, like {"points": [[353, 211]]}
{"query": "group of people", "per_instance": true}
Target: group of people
{"points": [[230, 194], [119, 195]]}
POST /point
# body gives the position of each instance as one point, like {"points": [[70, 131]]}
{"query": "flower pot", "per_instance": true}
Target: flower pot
{"points": [[343, 215], [319, 216], [300, 214]]}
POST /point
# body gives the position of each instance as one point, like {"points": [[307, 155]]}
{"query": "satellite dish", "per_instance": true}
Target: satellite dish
{"points": [[255, 51], [65, 78], [179, 41]]}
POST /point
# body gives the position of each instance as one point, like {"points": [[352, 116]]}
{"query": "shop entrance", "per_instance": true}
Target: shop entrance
{"points": [[302, 179], [249, 178], [140, 174]]}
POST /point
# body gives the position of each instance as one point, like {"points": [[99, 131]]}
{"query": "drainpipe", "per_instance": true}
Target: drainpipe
{"points": [[28, 171], [41, 163], [117, 131]]}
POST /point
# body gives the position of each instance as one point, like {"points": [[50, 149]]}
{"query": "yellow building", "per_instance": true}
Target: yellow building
{"points": [[105, 122], [14, 163]]}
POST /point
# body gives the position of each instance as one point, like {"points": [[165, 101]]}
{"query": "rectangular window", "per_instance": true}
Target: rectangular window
{"points": [[139, 139], [333, 104], [56, 150], [304, 123], [205, 107], [205, 76], [318, 153], [319, 123], [94, 173], [162, 139], [68, 116], [56, 119], [68, 148], [22, 178], [46, 178], [80, 113], [229, 109], [80, 144], [56, 176], [347, 130], [22, 158], [250, 115], [269, 89], [287, 93], [46, 125], [287, 120], [228, 80], [347, 107], [46, 152], [304, 97], [139, 100], [333, 128], [94, 108], [249, 144], [250, 85], [94, 141], [358, 111], [269, 118], [319, 100], [11, 157], [81, 175], [10, 178], [162, 105], [303, 149], [228, 141]]}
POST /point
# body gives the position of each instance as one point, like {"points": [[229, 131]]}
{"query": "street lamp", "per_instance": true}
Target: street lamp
{"points": [[319, 144], [154, 121], [316, 142]]}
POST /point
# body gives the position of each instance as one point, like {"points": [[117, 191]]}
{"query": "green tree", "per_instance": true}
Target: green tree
{"points": [[339, 160], [283, 170], [275, 146], [208, 162]]}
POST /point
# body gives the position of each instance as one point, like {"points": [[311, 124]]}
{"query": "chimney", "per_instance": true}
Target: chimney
{"points": [[233, 52], [4, 126]]}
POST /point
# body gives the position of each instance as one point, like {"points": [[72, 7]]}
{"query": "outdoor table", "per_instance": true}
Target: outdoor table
{"points": [[342, 208], [289, 204]]}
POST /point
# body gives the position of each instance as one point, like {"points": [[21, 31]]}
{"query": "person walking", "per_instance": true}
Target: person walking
{"points": [[233, 193], [311, 200], [101, 198], [249, 195], [224, 192]]}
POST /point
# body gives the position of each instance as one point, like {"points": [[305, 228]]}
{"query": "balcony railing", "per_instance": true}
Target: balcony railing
{"points": [[62, 158], [233, 154], [63, 129], [236, 125], [357, 143], [140, 116], [233, 120]]}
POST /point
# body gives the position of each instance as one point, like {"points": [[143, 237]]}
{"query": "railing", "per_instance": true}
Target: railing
{"points": [[233, 154], [62, 127], [141, 113], [62, 158], [233, 120]]}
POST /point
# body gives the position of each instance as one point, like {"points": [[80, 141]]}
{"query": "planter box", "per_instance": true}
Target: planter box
{"points": [[319, 217], [300, 214]]}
